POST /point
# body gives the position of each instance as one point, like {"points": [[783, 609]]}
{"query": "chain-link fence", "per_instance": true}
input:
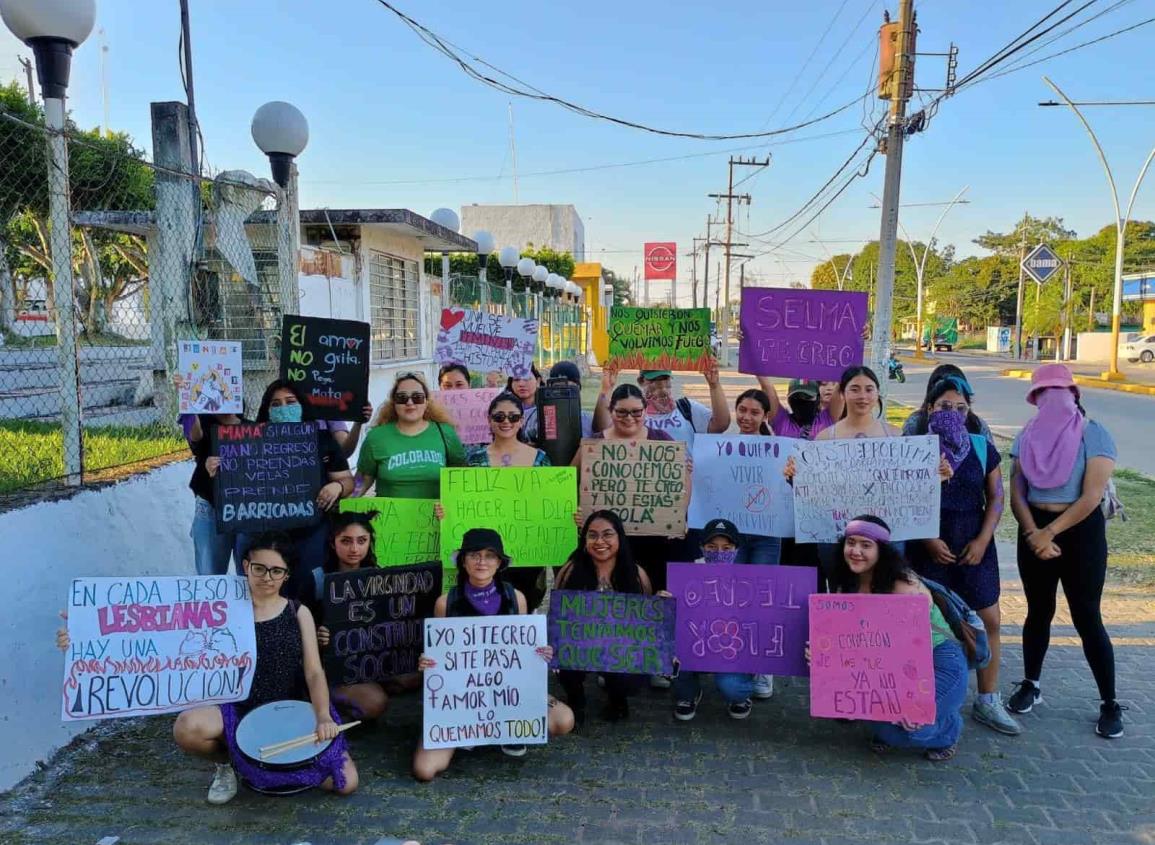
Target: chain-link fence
{"points": [[106, 260]]}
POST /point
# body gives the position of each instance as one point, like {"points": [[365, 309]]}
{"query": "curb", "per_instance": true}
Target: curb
{"points": [[1091, 381]]}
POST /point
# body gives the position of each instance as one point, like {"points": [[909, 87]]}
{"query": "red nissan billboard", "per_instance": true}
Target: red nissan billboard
{"points": [[661, 261]]}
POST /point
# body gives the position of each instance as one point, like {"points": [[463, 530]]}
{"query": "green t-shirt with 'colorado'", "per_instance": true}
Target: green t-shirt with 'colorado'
{"points": [[409, 466]]}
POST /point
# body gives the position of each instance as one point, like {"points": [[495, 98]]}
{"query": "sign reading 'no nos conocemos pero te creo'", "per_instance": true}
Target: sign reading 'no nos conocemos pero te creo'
{"points": [[328, 361]]}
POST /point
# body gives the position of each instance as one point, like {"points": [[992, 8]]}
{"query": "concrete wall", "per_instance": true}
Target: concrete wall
{"points": [[139, 526], [1094, 346], [556, 226]]}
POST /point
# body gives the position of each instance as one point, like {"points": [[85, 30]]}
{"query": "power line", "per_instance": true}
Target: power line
{"points": [[1115, 6], [790, 89], [837, 52], [1073, 49]]}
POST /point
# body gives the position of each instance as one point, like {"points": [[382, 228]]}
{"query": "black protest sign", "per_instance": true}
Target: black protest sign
{"points": [[269, 477], [376, 620], [328, 361]]}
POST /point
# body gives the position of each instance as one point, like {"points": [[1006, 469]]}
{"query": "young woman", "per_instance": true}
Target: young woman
{"points": [[751, 411], [870, 563], [602, 562], [410, 444], [1062, 464], [963, 557], [916, 423], [627, 410], [351, 539], [482, 591], [507, 449], [453, 377], [814, 406], [721, 543], [288, 667], [525, 389], [859, 391]]}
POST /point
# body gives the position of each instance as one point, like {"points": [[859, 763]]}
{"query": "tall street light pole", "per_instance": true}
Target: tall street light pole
{"points": [[1121, 220]]}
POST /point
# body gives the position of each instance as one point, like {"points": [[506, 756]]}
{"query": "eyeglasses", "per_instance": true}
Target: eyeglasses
{"points": [[626, 413], [274, 573], [961, 407], [502, 416], [405, 398], [604, 536]]}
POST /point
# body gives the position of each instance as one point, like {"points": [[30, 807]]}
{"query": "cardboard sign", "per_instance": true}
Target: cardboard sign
{"points": [[405, 531], [870, 658], [811, 334], [269, 477], [375, 619], [627, 633], [742, 618], [211, 373], [469, 412], [739, 477], [642, 481], [486, 342], [144, 645], [895, 478], [531, 508], [660, 338], [328, 361], [488, 686]]}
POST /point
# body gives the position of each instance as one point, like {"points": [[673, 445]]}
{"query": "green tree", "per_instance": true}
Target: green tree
{"points": [[623, 290]]}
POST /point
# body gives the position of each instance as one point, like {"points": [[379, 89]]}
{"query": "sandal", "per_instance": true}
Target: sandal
{"points": [[941, 755]]}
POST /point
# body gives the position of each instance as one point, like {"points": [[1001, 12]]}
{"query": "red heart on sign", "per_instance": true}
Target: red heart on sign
{"points": [[450, 318]]}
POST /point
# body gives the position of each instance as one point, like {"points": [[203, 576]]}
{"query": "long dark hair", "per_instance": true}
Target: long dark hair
{"points": [[450, 368], [626, 391], [282, 384], [762, 399], [584, 574], [533, 372], [504, 396], [890, 569], [338, 522], [943, 385], [851, 373]]}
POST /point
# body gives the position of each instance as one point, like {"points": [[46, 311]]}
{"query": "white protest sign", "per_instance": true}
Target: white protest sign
{"points": [[211, 373], [486, 342], [739, 477], [469, 412], [141, 646], [895, 478], [488, 686]]}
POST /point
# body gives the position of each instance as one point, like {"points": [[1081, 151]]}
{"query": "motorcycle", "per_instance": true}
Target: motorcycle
{"points": [[894, 370]]}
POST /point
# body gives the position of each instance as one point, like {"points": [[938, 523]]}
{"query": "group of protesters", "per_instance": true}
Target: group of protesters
{"points": [[1061, 465]]}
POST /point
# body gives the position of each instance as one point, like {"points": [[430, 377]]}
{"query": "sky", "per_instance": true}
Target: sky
{"points": [[396, 124]]}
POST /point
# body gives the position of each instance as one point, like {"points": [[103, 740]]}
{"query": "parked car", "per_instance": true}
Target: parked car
{"points": [[1141, 350]]}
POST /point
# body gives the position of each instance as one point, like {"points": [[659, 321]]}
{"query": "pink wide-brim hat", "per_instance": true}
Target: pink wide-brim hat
{"points": [[1051, 375]]}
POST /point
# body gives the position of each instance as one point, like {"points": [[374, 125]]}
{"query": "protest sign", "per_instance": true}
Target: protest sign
{"points": [[486, 342], [811, 334], [144, 645], [269, 477], [328, 361], [739, 477], [628, 633], [660, 338], [739, 618], [210, 372], [469, 412], [405, 531], [870, 658], [642, 481], [531, 508], [488, 684], [375, 621], [895, 478]]}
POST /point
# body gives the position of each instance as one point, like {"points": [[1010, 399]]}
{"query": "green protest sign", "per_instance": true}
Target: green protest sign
{"points": [[531, 508], [660, 338], [406, 530]]}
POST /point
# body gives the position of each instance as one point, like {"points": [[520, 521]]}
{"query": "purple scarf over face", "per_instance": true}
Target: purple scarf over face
{"points": [[1050, 441], [719, 555], [951, 428], [485, 600]]}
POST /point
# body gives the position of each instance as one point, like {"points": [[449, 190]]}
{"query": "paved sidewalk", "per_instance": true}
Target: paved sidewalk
{"points": [[777, 777]]}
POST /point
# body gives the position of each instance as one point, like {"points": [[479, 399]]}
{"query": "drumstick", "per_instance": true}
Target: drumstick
{"points": [[276, 748]]}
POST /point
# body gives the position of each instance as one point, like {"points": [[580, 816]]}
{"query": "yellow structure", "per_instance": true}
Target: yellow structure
{"points": [[589, 276], [1149, 316]]}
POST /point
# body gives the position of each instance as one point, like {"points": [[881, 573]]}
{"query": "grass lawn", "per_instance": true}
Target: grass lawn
{"points": [[31, 452]]}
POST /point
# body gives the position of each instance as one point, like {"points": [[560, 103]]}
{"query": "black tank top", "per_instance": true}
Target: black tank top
{"points": [[280, 672]]}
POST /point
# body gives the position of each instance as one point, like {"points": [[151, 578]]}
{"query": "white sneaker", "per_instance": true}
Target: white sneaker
{"points": [[763, 687], [660, 682], [224, 786]]}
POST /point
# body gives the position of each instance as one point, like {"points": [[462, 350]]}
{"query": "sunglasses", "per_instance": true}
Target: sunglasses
{"points": [[403, 398], [625, 413], [502, 416]]}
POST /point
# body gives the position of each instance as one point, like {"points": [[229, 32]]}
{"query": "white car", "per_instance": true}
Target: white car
{"points": [[1142, 349]]}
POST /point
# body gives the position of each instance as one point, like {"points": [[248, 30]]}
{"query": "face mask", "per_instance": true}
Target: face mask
{"points": [[285, 414], [720, 555]]}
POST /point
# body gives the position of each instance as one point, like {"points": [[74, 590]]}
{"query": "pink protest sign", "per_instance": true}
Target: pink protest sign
{"points": [[468, 409], [814, 334], [870, 658]]}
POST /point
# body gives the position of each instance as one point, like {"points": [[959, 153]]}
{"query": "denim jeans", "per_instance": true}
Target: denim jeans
{"points": [[761, 550], [211, 550], [309, 545], [950, 689], [733, 687]]}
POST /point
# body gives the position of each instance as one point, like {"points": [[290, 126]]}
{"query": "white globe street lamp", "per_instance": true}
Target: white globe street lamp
{"points": [[281, 132], [485, 247], [447, 218], [508, 258], [53, 29]]}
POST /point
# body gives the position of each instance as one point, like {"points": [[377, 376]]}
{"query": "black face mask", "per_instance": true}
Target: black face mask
{"points": [[803, 410]]}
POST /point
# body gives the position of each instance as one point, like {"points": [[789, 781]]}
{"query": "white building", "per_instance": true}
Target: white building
{"points": [[558, 227]]}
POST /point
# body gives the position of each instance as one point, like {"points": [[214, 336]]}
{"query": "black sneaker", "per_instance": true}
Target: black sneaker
{"points": [[741, 709], [685, 710], [1024, 698], [513, 750], [1110, 720]]}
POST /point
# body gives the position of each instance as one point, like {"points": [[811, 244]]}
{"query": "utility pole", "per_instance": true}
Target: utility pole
{"points": [[1019, 300], [1063, 347], [186, 58], [706, 265], [693, 256], [27, 65], [899, 85]]}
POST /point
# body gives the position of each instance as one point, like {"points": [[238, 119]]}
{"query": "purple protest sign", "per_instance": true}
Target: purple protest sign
{"points": [[870, 658], [738, 618], [627, 633], [812, 334]]}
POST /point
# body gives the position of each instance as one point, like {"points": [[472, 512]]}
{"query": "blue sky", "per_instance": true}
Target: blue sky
{"points": [[390, 117]]}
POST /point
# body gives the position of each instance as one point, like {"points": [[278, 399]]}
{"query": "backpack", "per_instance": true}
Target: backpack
{"points": [[686, 410], [964, 623]]}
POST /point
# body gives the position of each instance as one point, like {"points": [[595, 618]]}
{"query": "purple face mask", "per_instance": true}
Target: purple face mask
{"points": [[719, 555]]}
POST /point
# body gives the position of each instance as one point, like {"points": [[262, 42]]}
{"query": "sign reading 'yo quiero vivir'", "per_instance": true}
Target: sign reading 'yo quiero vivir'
{"points": [[660, 338]]}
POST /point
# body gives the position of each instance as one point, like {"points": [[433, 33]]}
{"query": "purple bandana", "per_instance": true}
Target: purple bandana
{"points": [[485, 600], [951, 428]]}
